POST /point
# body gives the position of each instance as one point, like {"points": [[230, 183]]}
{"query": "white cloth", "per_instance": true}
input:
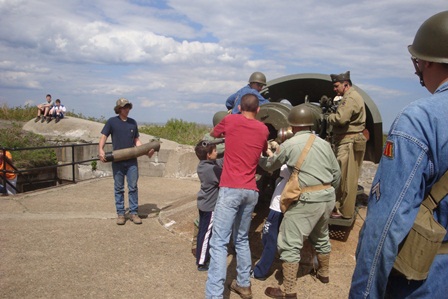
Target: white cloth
{"points": [[275, 200]]}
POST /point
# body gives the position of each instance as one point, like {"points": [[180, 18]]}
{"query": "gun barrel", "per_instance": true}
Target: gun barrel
{"points": [[216, 141]]}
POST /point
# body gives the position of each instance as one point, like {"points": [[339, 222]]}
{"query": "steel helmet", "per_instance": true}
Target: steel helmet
{"points": [[218, 117], [301, 116], [431, 40], [257, 77]]}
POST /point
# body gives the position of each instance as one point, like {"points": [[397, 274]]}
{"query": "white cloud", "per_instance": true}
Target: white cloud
{"points": [[182, 58]]}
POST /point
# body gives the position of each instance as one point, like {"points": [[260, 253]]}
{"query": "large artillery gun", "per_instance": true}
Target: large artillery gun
{"points": [[316, 92]]}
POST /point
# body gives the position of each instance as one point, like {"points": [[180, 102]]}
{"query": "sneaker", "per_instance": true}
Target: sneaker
{"points": [[43, 119], [37, 119], [121, 220], [136, 219], [57, 119], [244, 292], [202, 267]]}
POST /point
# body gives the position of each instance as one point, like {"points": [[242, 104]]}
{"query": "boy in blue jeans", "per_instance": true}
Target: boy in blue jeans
{"points": [[209, 173]]}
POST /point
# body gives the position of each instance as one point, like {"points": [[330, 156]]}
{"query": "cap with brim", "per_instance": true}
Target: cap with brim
{"points": [[121, 103]]}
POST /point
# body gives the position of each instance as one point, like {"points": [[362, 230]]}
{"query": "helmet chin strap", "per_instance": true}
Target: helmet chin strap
{"points": [[418, 72]]}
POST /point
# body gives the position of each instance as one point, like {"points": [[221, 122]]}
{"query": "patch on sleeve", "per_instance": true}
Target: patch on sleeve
{"points": [[375, 191], [389, 150]]}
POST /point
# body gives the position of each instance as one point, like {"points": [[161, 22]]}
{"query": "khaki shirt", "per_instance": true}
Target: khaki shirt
{"points": [[320, 165], [350, 117]]}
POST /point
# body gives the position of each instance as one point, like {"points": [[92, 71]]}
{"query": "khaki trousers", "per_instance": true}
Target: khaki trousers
{"points": [[350, 154], [304, 219]]}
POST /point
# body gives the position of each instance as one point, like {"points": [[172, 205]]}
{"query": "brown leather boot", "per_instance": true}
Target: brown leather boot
{"points": [[136, 219], [289, 283], [323, 272], [244, 292]]}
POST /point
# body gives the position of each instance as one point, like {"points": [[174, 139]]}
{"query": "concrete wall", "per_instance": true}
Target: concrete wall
{"points": [[173, 160]]}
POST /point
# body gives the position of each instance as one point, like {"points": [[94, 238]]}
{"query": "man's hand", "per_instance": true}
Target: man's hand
{"points": [[102, 156], [150, 153], [269, 152], [273, 145]]}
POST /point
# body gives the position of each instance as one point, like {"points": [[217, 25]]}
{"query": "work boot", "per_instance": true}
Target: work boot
{"points": [[323, 272], [37, 119], [121, 220], [136, 219], [244, 292], [289, 283], [277, 293], [48, 119], [57, 119], [43, 119]]}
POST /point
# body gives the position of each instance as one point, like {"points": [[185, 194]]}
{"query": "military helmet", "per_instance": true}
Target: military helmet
{"points": [[257, 77], [430, 42], [301, 116], [218, 117]]}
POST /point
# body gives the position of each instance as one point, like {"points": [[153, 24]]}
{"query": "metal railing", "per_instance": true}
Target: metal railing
{"points": [[15, 170]]}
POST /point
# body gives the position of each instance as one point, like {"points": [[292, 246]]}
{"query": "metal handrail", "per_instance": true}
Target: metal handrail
{"points": [[18, 171]]}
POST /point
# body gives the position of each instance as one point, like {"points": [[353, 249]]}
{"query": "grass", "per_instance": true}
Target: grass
{"points": [[177, 130]]}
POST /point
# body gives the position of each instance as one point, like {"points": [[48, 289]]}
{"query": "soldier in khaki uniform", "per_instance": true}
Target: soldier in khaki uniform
{"points": [[309, 216], [348, 123]]}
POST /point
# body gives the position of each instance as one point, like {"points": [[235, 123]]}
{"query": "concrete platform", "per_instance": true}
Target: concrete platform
{"points": [[63, 243]]}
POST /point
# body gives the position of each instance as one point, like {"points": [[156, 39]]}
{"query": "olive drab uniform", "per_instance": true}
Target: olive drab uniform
{"points": [[309, 216], [348, 123]]}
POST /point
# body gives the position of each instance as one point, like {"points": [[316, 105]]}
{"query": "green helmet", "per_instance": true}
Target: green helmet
{"points": [[257, 77], [218, 117], [301, 116], [430, 42]]}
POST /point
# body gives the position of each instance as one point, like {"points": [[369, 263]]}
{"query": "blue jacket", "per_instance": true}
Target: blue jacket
{"points": [[415, 157], [234, 100]]}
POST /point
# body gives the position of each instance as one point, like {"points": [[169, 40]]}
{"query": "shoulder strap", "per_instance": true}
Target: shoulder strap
{"points": [[304, 152], [438, 191]]}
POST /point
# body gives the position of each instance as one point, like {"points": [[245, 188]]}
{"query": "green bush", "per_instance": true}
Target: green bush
{"points": [[18, 113], [177, 130], [15, 137]]}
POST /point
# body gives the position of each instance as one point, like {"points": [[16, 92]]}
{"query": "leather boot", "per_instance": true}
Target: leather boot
{"points": [[289, 283], [244, 292], [323, 272]]}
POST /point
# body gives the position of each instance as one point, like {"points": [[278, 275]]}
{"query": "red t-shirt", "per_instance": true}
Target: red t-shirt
{"points": [[245, 139]]}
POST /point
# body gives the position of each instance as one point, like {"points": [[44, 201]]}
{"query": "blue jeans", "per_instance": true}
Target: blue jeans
{"points": [[128, 169], [233, 210], [269, 239]]}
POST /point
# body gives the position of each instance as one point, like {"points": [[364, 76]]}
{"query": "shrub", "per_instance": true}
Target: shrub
{"points": [[15, 137], [18, 113], [177, 130]]}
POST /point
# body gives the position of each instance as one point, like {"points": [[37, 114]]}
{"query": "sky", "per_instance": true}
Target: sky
{"points": [[179, 59]]}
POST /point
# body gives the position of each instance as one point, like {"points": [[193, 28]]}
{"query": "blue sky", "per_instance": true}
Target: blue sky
{"points": [[182, 59]]}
